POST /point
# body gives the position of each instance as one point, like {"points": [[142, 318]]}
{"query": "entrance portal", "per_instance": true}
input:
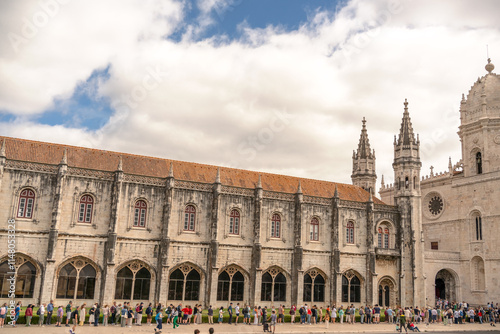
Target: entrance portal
{"points": [[445, 286]]}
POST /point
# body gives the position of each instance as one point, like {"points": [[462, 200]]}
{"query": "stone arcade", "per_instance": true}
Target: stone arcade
{"points": [[99, 225]]}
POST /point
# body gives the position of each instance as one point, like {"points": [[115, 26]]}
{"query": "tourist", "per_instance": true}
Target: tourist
{"points": [[221, 314], [199, 320], [41, 314], [196, 331], [175, 315], [3, 314], [256, 312], [230, 312], [376, 311], [91, 315], [246, 314], [390, 315], [50, 310], [272, 319], [68, 312], [149, 314], [341, 314], [413, 327], [130, 315], [28, 315], [74, 318], [105, 315], [210, 314], [292, 312], [81, 317], [123, 316], [402, 321], [361, 314], [138, 316], [97, 314], [159, 321], [334, 314], [60, 312], [237, 312]]}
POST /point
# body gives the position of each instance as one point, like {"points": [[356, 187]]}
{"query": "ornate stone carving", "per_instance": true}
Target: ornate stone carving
{"points": [[193, 185], [317, 200], [237, 191], [95, 174], [23, 165], [279, 196], [155, 181]]}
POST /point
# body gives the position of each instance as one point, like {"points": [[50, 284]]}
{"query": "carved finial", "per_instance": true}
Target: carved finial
{"points": [[259, 182], [432, 170], [406, 104], [382, 182], [171, 171], [463, 98], [2, 150], [489, 67], [64, 160], [299, 188], [370, 197], [120, 164], [336, 193], [217, 177]]}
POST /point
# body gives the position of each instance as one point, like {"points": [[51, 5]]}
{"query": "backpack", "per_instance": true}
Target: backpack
{"points": [[38, 311], [113, 309], [301, 311], [138, 309], [157, 316]]}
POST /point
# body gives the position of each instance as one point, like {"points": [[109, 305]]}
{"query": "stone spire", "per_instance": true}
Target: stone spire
{"points": [[450, 166], [2, 149], [382, 182], [171, 171], [406, 136], [336, 193], [363, 163], [64, 160], [120, 164], [259, 182], [217, 177], [299, 188], [364, 150]]}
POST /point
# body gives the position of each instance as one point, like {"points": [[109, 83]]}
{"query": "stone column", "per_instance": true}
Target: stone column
{"points": [[214, 244], [161, 290], [298, 251], [370, 256], [335, 252], [108, 276], [255, 270]]}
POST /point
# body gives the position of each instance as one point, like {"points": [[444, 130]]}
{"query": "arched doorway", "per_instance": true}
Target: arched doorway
{"points": [[445, 286]]}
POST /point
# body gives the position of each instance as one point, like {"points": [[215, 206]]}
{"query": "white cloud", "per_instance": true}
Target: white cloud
{"points": [[288, 102]]}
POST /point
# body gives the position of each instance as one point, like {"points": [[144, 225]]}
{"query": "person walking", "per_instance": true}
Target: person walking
{"points": [[28, 314], [159, 321], [74, 318], [175, 313]]}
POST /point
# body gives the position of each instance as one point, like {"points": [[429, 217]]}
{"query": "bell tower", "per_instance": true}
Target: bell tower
{"points": [[363, 163], [407, 197]]}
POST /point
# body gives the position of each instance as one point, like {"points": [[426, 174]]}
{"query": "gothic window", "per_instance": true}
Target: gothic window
{"points": [[133, 282], [230, 285], [350, 232], [407, 182], [85, 209], [234, 222], [479, 163], [184, 284], [314, 235], [479, 228], [140, 210], [351, 288], [76, 281], [26, 204], [25, 274], [314, 287], [189, 218], [478, 278], [276, 226], [273, 287], [379, 237], [386, 238]]}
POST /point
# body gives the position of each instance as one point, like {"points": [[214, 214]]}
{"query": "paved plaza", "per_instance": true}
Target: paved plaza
{"points": [[225, 328]]}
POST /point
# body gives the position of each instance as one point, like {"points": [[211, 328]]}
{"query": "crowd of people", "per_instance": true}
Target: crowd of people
{"points": [[127, 315]]}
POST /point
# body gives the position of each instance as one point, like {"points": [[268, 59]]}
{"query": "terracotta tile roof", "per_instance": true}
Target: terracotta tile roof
{"points": [[81, 157]]}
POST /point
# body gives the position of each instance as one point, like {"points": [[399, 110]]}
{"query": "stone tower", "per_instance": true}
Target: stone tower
{"points": [[479, 124], [407, 197], [363, 163]]}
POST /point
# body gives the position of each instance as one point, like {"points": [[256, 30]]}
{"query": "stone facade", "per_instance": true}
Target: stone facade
{"points": [[460, 211]]}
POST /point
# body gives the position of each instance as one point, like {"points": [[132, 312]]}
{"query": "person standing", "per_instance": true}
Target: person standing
{"points": [[230, 311], [41, 313], [50, 310], [221, 314], [123, 316], [139, 309], [28, 314], [97, 314], [292, 312], [68, 312], [82, 314], [149, 314], [210, 315], [105, 315], [237, 312], [159, 321], [60, 314], [175, 314]]}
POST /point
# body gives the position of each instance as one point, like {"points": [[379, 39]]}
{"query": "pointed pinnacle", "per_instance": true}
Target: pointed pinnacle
{"points": [[2, 150], [336, 193], [370, 198], [259, 182], [171, 171], [64, 160], [120, 164], [299, 189], [217, 177], [382, 182]]}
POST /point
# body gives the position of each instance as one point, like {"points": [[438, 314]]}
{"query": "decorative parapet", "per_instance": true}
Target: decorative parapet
{"points": [[442, 255], [31, 166], [385, 207], [237, 191], [90, 173], [352, 204], [155, 181], [193, 185], [278, 196], [387, 252], [317, 200]]}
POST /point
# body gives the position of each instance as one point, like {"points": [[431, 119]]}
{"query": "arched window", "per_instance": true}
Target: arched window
{"points": [[478, 278], [379, 234], [76, 281], [384, 292], [386, 238], [25, 275], [85, 212], [314, 235], [350, 233], [184, 284], [189, 218], [273, 286], [230, 285], [140, 213], [479, 228], [351, 288], [133, 280], [26, 204], [407, 182], [234, 222], [479, 163], [314, 287], [276, 226]]}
